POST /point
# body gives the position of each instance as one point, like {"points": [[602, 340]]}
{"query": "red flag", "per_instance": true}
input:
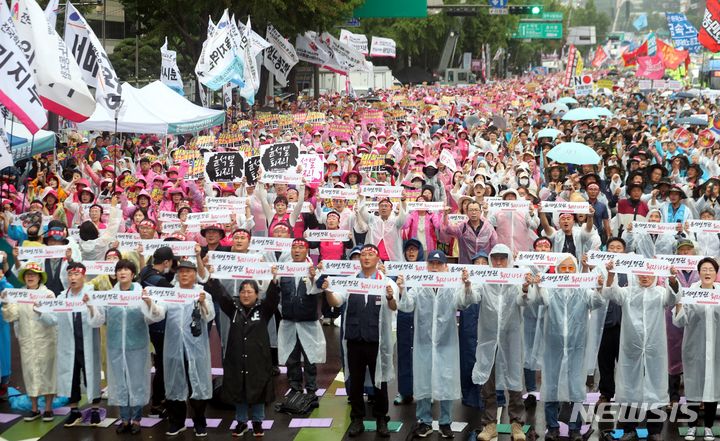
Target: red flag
{"points": [[709, 35], [600, 57], [671, 57], [630, 58], [650, 67]]}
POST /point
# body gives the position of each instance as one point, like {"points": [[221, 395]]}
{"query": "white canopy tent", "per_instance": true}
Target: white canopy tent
{"points": [[154, 109]]}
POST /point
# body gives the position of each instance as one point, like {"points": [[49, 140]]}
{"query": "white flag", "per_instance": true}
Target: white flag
{"points": [[358, 42], [169, 72], [51, 12], [280, 57], [257, 43], [382, 47], [345, 59], [308, 50], [59, 81], [95, 66], [6, 159], [219, 62], [17, 83], [251, 73], [211, 27], [202, 93]]}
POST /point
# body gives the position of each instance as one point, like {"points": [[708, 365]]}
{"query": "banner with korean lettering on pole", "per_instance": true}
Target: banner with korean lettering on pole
{"points": [[343, 59], [253, 45], [95, 66], [600, 57], [58, 77], [382, 47], [651, 68], [309, 51], [358, 42], [709, 35], [18, 91], [574, 64], [682, 32], [280, 57], [169, 71], [220, 61]]}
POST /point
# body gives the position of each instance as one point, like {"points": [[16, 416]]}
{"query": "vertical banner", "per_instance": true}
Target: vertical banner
{"points": [[709, 35], [169, 72], [280, 57]]}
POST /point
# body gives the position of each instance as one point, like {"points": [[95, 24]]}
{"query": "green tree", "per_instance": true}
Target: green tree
{"points": [[123, 59], [588, 15]]}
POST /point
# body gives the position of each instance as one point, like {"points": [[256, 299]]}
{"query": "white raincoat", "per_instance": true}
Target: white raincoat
{"points": [[37, 336], [384, 367], [565, 336], [500, 331], [643, 243], [436, 348], [641, 373], [181, 345], [700, 352], [386, 230], [310, 333], [583, 240], [66, 349], [128, 350], [96, 249]]}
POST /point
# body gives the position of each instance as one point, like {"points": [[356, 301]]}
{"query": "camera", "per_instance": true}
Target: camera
{"points": [[196, 323]]}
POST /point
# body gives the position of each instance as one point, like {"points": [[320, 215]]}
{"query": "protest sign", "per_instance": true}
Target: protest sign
{"points": [[312, 167], [427, 279], [354, 285], [284, 177], [681, 262], [173, 295], [271, 243], [425, 206], [346, 194], [381, 191], [224, 166], [242, 271], [99, 267], [569, 280], [393, 268], [699, 296], [47, 306], [638, 265], [327, 235], [209, 217], [340, 130], [218, 257], [535, 258], [457, 219], [564, 207], [340, 267], [500, 276], [279, 156], [38, 253], [115, 298], [596, 257], [520, 205], [23, 296], [703, 226], [654, 227], [370, 162], [252, 167]]}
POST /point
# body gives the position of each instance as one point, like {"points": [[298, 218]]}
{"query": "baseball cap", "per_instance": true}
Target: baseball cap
{"points": [[355, 250], [684, 243], [437, 256], [186, 264], [478, 255]]}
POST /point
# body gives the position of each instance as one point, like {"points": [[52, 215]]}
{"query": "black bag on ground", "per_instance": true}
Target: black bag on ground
{"points": [[297, 403]]}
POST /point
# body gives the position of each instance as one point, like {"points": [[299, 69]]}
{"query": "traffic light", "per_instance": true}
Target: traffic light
{"points": [[525, 10]]}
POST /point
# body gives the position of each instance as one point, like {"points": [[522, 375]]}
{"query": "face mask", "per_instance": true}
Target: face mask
{"points": [[524, 182]]}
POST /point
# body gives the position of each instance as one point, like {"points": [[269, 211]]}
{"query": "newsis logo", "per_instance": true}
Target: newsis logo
{"points": [[634, 413]]}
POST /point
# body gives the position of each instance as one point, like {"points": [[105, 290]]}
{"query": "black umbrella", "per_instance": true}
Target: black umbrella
{"points": [[692, 121]]}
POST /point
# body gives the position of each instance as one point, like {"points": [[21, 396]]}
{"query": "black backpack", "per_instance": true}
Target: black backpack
{"points": [[297, 403]]}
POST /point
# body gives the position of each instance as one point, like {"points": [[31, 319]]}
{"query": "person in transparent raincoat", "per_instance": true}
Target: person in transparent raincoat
{"points": [[700, 352], [128, 348], [436, 350], [499, 354], [186, 357], [641, 373], [565, 335], [650, 244]]}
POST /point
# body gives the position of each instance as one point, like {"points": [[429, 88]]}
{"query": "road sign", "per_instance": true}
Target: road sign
{"points": [[352, 23], [498, 11], [552, 16], [538, 31], [497, 4]]}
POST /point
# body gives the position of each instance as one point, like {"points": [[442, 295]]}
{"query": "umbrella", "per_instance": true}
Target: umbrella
{"points": [[499, 122], [679, 95], [602, 111], [548, 133], [604, 91], [472, 121], [573, 153], [567, 100], [579, 114], [555, 107], [691, 120]]}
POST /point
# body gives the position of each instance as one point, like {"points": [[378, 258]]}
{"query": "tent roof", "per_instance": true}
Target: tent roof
{"points": [[22, 143], [154, 109]]}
